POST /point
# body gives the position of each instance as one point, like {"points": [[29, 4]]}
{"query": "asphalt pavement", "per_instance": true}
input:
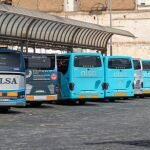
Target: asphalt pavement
{"points": [[120, 125]]}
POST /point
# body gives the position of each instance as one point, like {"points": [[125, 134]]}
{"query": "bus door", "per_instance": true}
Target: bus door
{"points": [[146, 77], [119, 77], [63, 76]]}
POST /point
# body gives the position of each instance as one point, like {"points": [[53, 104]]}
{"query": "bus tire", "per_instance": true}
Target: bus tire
{"points": [[35, 104], [112, 100], [4, 109], [141, 96], [81, 102]]}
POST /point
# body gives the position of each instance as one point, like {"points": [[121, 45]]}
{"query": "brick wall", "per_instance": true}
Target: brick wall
{"points": [[116, 4], [41, 5], [84, 5]]}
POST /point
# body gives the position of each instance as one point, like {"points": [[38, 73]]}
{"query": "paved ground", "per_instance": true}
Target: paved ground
{"points": [[122, 125]]}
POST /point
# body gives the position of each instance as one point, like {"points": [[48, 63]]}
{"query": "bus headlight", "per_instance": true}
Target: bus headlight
{"points": [[21, 94]]}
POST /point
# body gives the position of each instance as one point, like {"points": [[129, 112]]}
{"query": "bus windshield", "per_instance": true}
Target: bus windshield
{"points": [[9, 61], [146, 65], [137, 64], [119, 63], [41, 62], [87, 61]]}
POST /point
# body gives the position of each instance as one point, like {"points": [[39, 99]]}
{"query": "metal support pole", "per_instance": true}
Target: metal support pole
{"points": [[21, 46], [110, 17]]}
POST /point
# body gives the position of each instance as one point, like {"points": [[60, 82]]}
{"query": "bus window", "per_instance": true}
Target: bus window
{"points": [[146, 65], [9, 61], [41, 62], [87, 61], [137, 64], [119, 63], [63, 63]]}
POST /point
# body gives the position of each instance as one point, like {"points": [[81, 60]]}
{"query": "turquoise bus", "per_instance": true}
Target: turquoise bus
{"points": [[81, 76], [146, 77], [12, 79], [119, 77], [41, 78]]}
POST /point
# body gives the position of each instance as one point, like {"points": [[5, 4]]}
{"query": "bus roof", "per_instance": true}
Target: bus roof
{"points": [[82, 54], [118, 57], [8, 50], [37, 54], [146, 60]]}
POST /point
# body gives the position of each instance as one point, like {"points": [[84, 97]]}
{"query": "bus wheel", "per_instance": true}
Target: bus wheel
{"points": [[111, 100], [4, 109], [35, 104], [141, 96], [81, 102]]}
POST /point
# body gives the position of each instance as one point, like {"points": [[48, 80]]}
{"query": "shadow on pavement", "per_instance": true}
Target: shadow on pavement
{"points": [[10, 112], [140, 143], [43, 106], [108, 101], [73, 103]]}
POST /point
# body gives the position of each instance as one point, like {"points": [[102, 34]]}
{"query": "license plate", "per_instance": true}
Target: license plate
{"points": [[82, 96], [120, 94]]}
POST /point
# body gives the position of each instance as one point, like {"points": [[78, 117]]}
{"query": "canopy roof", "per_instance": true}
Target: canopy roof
{"points": [[18, 26]]}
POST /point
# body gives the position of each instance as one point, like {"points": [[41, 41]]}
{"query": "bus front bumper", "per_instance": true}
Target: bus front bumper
{"points": [[16, 102], [87, 95], [119, 94], [41, 98]]}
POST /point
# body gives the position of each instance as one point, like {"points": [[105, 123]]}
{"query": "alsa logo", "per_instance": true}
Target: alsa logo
{"points": [[8, 81], [88, 73], [119, 74]]}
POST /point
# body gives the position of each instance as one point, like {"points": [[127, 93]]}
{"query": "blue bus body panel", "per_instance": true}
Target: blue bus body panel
{"points": [[146, 80], [87, 81], [120, 81]]}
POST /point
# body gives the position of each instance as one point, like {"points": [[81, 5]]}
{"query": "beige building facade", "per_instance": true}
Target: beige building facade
{"points": [[137, 22]]}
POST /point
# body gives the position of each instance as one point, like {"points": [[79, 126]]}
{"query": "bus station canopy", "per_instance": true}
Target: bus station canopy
{"points": [[19, 26]]}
